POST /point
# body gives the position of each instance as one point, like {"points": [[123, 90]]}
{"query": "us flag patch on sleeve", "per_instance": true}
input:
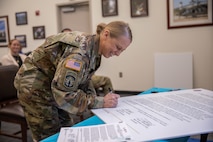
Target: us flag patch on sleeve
{"points": [[73, 64]]}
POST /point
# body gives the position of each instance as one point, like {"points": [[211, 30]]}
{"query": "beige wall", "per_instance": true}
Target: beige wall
{"points": [[150, 36]]}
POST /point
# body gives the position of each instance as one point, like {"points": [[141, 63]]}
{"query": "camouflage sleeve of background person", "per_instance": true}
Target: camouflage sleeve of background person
{"points": [[69, 94]]}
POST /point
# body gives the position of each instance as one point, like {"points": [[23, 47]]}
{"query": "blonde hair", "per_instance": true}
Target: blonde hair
{"points": [[116, 28]]}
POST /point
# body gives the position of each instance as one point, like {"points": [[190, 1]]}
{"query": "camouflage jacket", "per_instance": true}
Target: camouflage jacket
{"points": [[63, 67]]}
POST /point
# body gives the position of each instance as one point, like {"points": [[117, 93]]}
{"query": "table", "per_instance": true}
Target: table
{"points": [[94, 120]]}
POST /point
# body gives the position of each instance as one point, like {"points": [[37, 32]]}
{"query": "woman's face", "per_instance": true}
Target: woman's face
{"points": [[112, 46], [15, 47]]}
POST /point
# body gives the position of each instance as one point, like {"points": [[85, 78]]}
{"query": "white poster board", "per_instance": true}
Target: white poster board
{"points": [[173, 70], [163, 115]]}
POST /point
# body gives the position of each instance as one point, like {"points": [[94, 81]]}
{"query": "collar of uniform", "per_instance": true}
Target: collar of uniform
{"points": [[95, 56]]}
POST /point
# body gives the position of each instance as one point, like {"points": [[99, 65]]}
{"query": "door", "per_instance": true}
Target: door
{"points": [[75, 16]]}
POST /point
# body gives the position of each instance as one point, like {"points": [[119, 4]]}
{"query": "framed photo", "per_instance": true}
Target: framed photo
{"points": [[22, 40], [189, 13], [4, 31], [21, 18], [39, 32], [109, 8], [139, 8]]}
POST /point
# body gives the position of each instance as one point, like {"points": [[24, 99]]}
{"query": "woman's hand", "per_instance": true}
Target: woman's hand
{"points": [[111, 100]]}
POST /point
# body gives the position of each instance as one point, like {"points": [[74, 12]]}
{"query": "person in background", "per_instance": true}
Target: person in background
{"points": [[13, 57], [66, 30], [55, 79], [101, 83]]}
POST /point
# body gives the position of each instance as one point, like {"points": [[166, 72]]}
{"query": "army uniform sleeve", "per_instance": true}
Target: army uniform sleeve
{"points": [[98, 102], [65, 87]]}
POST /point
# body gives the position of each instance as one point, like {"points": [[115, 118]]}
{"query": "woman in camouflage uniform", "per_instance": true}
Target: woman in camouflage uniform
{"points": [[55, 79], [98, 81]]}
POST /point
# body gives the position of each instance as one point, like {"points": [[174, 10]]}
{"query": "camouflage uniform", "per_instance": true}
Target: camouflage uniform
{"points": [[102, 82], [55, 81]]}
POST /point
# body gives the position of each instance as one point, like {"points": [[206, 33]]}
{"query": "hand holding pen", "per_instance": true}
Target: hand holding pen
{"points": [[111, 99]]}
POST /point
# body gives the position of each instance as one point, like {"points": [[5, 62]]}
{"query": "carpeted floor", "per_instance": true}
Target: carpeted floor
{"points": [[197, 140]]}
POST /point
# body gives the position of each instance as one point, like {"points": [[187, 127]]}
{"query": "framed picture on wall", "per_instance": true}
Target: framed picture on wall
{"points": [[109, 8], [21, 18], [139, 8], [39, 32], [188, 13], [4, 31], [22, 40]]}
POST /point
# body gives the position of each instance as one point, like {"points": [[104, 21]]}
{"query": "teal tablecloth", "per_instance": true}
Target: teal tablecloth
{"points": [[94, 120]]}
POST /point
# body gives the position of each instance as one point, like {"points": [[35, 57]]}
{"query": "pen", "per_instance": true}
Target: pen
{"points": [[110, 91]]}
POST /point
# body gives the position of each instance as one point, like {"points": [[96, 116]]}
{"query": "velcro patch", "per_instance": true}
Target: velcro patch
{"points": [[73, 64], [69, 79]]}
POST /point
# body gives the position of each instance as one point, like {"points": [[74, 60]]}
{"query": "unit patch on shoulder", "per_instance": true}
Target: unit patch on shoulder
{"points": [[69, 79], [73, 64]]}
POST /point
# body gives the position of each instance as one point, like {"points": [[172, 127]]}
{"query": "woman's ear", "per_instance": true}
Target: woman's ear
{"points": [[106, 33]]}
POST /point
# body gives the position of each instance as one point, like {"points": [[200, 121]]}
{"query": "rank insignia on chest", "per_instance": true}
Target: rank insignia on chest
{"points": [[73, 64]]}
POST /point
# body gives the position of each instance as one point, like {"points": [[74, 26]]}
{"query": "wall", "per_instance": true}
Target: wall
{"points": [[150, 36]]}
